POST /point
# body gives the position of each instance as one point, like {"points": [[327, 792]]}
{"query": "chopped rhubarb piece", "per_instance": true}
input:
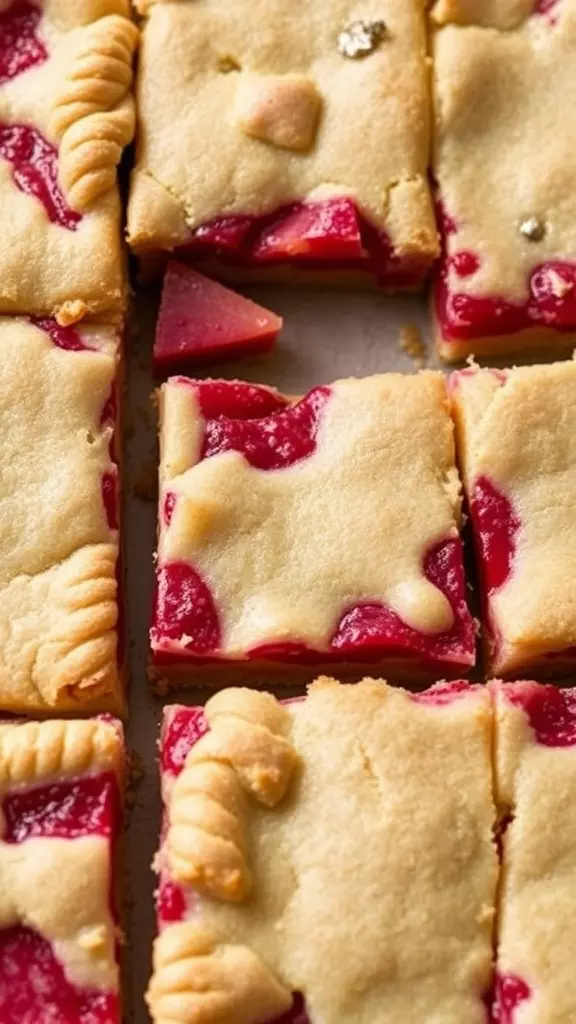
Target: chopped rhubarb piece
{"points": [[321, 231], [201, 320]]}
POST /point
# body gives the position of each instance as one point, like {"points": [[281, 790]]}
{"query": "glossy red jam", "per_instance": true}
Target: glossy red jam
{"points": [[200, 320], [551, 711], [330, 234], [496, 528], [551, 301], [64, 810], [35, 990], [34, 163], [510, 993], [20, 46], [273, 442]]}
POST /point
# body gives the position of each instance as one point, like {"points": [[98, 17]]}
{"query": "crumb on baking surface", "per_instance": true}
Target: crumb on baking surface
{"points": [[410, 341]]}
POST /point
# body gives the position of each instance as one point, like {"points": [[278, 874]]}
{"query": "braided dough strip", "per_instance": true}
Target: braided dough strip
{"points": [[245, 754], [94, 117], [196, 981]]}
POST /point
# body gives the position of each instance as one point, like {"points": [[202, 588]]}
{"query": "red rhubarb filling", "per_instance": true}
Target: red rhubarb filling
{"points": [[550, 710], [33, 984], [186, 620], [200, 321], [551, 301], [20, 46], [510, 993], [34, 163], [325, 235], [34, 988]]}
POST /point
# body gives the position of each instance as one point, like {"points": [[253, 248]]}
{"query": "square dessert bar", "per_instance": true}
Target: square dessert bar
{"points": [[285, 134], [536, 793], [66, 113], [505, 164], [309, 531], [353, 828], [60, 817], [516, 434], [59, 507]]}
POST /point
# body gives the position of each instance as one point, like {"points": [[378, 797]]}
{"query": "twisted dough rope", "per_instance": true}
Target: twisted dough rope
{"points": [[245, 754], [33, 752], [93, 117], [196, 981]]}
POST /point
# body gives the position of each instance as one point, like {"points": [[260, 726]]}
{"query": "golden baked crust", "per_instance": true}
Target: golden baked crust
{"points": [[520, 433], [58, 587], [485, 104], [537, 795], [317, 121], [78, 99], [61, 887], [384, 786], [241, 527]]}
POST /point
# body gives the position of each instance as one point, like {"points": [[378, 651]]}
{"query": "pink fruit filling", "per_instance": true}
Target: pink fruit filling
{"points": [[34, 988], [330, 234], [65, 810], [510, 993], [34, 163], [444, 693], [33, 985], [496, 527], [550, 711], [551, 300], [20, 47]]}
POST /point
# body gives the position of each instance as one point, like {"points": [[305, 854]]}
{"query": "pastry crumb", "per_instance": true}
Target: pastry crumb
{"points": [[411, 342]]}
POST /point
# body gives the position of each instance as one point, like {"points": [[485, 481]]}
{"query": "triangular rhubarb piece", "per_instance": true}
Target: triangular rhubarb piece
{"points": [[329, 230], [200, 320]]}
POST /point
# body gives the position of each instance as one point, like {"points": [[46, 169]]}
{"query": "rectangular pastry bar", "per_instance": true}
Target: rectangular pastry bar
{"points": [[279, 136], [310, 531], [60, 817], [59, 508], [516, 435], [536, 792], [505, 163], [327, 860], [66, 113]]}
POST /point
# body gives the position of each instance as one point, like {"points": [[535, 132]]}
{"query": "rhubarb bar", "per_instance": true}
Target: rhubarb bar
{"points": [[283, 136], [60, 800], [536, 793], [350, 830], [66, 114], [505, 165], [307, 531], [59, 629], [516, 435]]}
